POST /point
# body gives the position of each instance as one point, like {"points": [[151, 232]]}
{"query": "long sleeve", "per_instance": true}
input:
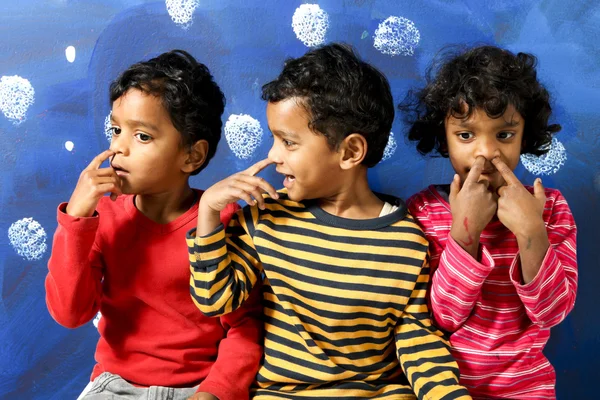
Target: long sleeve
{"points": [[73, 284], [224, 267], [457, 277], [423, 353], [240, 352], [550, 296]]}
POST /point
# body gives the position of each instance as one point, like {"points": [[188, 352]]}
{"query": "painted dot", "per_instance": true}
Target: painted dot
{"points": [[310, 24], [16, 95], [69, 145], [548, 163], [70, 54], [28, 238], [97, 318], [396, 36], [107, 126], [390, 148], [182, 11], [243, 134]]}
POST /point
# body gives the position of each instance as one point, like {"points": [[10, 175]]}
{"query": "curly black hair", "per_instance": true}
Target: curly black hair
{"points": [[485, 77], [188, 92], [342, 95]]}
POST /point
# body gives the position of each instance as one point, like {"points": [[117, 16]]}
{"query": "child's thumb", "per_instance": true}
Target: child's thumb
{"points": [[454, 187], [538, 190]]}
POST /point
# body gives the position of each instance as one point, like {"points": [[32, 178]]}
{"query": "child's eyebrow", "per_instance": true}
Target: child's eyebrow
{"points": [[289, 135], [145, 124]]}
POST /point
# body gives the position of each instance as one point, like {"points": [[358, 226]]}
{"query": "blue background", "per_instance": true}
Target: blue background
{"points": [[245, 45]]}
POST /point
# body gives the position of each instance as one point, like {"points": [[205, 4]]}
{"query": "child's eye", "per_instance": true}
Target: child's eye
{"points": [[115, 130], [465, 135], [287, 143], [505, 135], [142, 137]]}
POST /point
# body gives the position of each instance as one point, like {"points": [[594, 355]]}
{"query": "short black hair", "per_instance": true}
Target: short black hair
{"points": [[485, 77], [188, 92], [342, 95]]}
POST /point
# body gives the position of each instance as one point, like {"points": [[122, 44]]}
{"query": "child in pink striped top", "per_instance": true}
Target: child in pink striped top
{"points": [[503, 254]]}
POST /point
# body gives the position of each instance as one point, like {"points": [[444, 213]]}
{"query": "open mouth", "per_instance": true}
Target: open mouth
{"points": [[120, 171], [289, 181]]}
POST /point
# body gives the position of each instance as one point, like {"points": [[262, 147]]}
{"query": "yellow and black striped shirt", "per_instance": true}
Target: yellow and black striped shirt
{"points": [[344, 301]]}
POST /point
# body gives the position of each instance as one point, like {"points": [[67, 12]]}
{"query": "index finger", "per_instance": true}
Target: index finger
{"points": [[259, 166], [509, 177], [476, 169], [99, 159]]}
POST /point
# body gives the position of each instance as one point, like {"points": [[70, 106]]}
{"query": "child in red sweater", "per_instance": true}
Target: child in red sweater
{"points": [[126, 255], [503, 255]]}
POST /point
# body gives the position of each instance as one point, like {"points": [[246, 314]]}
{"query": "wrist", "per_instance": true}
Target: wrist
{"points": [[530, 230]]}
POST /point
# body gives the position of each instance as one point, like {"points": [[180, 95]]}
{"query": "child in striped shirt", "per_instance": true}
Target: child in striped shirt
{"points": [[503, 255], [345, 270]]}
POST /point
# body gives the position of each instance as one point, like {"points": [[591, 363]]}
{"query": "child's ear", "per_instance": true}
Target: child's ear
{"points": [[352, 150], [195, 156]]}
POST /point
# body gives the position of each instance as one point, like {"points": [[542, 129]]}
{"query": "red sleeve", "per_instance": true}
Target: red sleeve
{"points": [[240, 352], [73, 284], [550, 296], [456, 277]]}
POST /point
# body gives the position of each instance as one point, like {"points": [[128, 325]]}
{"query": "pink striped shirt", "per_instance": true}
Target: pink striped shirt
{"points": [[498, 325]]}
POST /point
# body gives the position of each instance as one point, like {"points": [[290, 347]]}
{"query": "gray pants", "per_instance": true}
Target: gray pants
{"points": [[109, 386]]}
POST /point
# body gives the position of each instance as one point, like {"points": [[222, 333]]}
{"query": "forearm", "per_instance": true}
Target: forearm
{"points": [[466, 237], [533, 246]]}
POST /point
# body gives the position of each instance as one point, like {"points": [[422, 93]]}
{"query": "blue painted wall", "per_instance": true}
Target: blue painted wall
{"points": [[244, 44]]}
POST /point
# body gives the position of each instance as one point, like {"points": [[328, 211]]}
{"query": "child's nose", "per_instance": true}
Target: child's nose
{"points": [[274, 154], [118, 144], [488, 149]]}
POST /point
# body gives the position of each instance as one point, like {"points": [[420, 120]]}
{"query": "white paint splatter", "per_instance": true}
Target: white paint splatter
{"points": [[182, 11], [396, 35], [70, 54], [390, 148], [107, 125], [28, 238], [16, 95], [69, 145], [310, 24], [548, 163], [243, 134], [97, 319]]}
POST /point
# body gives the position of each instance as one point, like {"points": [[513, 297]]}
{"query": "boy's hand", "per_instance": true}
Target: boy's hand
{"points": [[241, 186], [93, 183], [473, 206], [203, 396], [518, 209]]}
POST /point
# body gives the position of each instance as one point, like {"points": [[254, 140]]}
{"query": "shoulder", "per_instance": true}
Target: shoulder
{"points": [[424, 202]]}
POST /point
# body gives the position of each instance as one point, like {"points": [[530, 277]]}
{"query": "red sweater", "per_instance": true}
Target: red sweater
{"points": [[137, 274], [499, 325]]}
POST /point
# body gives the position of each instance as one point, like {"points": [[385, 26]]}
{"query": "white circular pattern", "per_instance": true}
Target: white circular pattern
{"points": [[396, 36], [97, 319], [16, 95], [69, 145], [182, 11], [243, 134], [548, 163], [70, 54], [310, 24], [390, 148], [107, 126], [28, 238]]}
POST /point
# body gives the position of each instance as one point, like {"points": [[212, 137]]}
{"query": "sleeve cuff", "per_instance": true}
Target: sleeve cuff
{"points": [[222, 393], [533, 287], [76, 224], [480, 268]]}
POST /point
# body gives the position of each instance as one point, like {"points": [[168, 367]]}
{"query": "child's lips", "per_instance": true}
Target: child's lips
{"points": [[120, 171], [289, 181]]}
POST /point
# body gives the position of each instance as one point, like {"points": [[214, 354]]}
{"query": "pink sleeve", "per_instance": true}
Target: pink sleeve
{"points": [[550, 296], [456, 277], [240, 352], [73, 284]]}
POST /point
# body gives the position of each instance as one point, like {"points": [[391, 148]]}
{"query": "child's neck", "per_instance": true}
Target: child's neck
{"points": [[166, 207], [354, 201]]}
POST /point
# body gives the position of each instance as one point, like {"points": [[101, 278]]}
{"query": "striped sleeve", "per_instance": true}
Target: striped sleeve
{"points": [[550, 296], [423, 353], [457, 278], [224, 266]]}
